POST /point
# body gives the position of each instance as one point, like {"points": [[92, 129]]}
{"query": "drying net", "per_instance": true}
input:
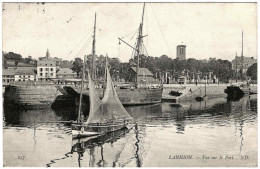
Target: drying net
{"points": [[109, 109]]}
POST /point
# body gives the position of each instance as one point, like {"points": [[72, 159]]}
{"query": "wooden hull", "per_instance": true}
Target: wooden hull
{"points": [[29, 96], [87, 142], [127, 97], [96, 130]]}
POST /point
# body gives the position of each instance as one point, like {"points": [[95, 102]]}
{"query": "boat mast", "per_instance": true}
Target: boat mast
{"points": [[105, 79], [236, 67], [242, 58], [94, 51], [81, 89], [138, 45], [105, 76]]}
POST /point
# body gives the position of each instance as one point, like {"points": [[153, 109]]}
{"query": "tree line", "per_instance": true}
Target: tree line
{"points": [[17, 58], [159, 66]]}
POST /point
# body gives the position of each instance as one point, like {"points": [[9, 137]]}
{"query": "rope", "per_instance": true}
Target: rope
{"points": [[79, 42], [147, 29], [145, 50], [130, 34], [161, 29], [84, 47]]}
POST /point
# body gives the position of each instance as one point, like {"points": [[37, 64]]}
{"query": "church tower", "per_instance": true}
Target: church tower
{"points": [[47, 54]]}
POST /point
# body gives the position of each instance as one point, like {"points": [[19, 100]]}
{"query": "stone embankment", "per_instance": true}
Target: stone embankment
{"points": [[191, 91]]}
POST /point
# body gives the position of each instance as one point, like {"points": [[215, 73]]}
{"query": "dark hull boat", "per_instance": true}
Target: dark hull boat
{"points": [[128, 97], [234, 93], [88, 142]]}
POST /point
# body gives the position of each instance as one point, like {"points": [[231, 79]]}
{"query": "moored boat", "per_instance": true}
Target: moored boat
{"points": [[106, 115]]}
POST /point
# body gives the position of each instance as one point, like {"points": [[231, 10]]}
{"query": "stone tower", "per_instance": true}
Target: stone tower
{"points": [[47, 54], [181, 52]]}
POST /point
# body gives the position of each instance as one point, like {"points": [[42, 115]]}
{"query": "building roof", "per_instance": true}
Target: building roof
{"points": [[46, 62], [143, 71], [181, 46], [65, 71], [25, 70], [8, 72], [239, 59], [11, 63]]}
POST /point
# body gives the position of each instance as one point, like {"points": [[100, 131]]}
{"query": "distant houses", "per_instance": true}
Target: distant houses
{"points": [[66, 73], [46, 69], [144, 75], [7, 76], [25, 74], [242, 63]]}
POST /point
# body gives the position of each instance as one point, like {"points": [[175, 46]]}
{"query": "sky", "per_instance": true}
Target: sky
{"points": [[66, 29]]}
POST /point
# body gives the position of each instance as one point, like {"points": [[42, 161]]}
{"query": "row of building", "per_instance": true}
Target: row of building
{"points": [[47, 69]]}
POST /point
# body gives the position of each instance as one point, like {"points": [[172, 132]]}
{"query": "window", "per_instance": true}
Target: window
{"points": [[20, 76], [47, 69], [51, 69], [29, 76], [19, 79], [40, 74], [51, 74], [40, 69], [23, 76]]}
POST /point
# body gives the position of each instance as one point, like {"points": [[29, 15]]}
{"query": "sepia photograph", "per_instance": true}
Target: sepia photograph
{"points": [[129, 84]]}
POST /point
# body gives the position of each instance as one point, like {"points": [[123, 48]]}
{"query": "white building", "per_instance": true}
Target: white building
{"points": [[25, 74], [46, 68], [7, 76]]}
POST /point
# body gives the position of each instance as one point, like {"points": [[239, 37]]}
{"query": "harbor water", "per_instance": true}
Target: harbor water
{"points": [[215, 132]]}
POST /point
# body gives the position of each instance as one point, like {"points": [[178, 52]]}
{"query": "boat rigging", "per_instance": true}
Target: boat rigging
{"points": [[138, 48]]}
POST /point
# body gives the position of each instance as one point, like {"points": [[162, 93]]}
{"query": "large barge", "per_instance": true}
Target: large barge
{"points": [[128, 96], [33, 95]]}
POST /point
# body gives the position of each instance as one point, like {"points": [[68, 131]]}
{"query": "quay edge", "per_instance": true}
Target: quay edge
{"points": [[191, 91]]}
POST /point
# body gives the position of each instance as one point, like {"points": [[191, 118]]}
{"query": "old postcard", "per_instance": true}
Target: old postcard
{"points": [[129, 84]]}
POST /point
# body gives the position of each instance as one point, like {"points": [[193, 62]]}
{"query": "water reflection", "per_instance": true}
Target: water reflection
{"points": [[206, 121], [93, 144]]}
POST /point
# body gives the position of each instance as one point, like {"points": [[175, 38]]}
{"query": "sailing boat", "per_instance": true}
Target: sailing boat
{"points": [[106, 115]]}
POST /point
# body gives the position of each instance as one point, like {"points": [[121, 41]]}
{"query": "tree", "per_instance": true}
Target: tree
{"points": [[16, 62], [252, 71], [77, 66]]}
